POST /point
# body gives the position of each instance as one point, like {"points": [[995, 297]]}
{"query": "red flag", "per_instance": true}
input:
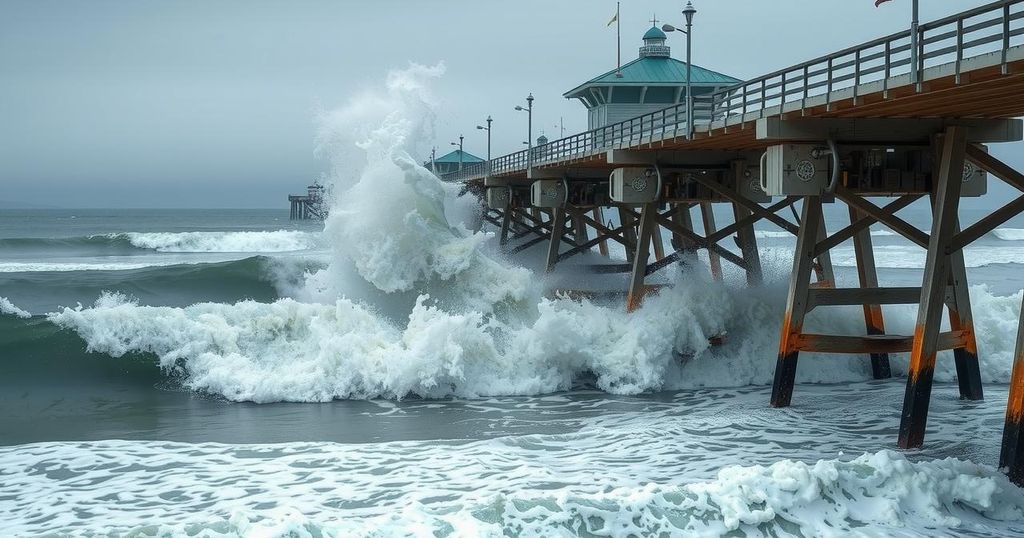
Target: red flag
{"points": [[879, 2]]}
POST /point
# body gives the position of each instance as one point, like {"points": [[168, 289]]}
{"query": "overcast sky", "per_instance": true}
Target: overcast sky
{"points": [[213, 103]]}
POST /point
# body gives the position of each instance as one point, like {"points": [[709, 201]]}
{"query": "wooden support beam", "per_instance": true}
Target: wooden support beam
{"points": [[598, 213], [1011, 455], [579, 225], [708, 217], [796, 303], [987, 224], [936, 276], [867, 276], [506, 223], [747, 242], [871, 344], [863, 222], [866, 295], [700, 241], [557, 231], [755, 208], [961, 318], [627, 220], [895, 223], [823, 260], [640, 255]]}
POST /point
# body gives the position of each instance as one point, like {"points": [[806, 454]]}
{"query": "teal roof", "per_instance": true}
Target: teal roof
{"points": [[655, 33], [651, 71], [453, 157]]}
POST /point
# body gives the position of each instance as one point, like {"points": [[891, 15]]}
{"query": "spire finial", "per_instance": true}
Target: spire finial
{"points": [[654, 20]]}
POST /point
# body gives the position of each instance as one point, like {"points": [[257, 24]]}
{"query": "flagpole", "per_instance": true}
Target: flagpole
{"points": [[618, 41]]}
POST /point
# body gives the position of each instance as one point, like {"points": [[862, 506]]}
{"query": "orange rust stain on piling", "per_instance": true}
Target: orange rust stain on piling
{"points": [[1015, 402], [919, 362]]}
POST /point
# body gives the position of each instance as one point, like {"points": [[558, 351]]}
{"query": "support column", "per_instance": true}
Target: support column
{"points": [[708, 216], [867, 276], [627, 220], [796, 302], [1011, 456], [506, 223], [961, 318], [579, 227], [823, 268], [681, 216], [557, 231], [747, 242], [933, 290], [602, 247], [643, 241], [657, 242]]}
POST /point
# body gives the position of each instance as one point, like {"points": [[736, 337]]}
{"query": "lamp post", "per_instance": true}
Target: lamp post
{"points": [[688, 12], [529, 129], [914, 73], [488, 129], [460, 151]]}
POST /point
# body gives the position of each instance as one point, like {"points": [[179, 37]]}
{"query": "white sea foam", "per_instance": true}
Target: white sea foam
{"points": [[244, 241], [504, 487], [10, 309], [1009, 234], [32, 267]]}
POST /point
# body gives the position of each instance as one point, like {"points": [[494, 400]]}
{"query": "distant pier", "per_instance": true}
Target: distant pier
{"points": [[310, 206]]}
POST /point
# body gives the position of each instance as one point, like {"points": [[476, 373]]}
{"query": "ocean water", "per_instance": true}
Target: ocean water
{"points": [[391, 373]]}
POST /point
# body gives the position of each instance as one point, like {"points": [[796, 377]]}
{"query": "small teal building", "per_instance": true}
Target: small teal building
{"points": [[650, 83], [449, 163]]}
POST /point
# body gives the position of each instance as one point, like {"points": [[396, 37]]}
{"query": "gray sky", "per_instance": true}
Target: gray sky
{"points": [[158, 103]]}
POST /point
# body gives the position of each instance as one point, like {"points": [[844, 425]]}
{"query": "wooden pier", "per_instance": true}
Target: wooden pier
{"points": [[310, 206], [868, 123]]}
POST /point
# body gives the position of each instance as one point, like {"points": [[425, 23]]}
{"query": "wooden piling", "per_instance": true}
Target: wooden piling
{"points": [[867, 276], [796, 302], [933, 289], [1011, 455]]}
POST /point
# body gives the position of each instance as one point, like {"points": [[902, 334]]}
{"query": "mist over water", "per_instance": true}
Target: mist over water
{"points": [[442, 392]]}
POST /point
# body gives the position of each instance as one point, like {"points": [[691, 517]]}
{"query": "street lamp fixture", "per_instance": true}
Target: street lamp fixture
{"points": [[488, 129], [459, 144], [529, 129], [688, 12]]}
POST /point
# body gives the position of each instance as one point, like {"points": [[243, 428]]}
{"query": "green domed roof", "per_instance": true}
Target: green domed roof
{"points": [[655, 33]]}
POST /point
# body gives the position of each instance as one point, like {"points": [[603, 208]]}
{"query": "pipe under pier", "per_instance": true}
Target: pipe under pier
{"points": [[872, 127]]}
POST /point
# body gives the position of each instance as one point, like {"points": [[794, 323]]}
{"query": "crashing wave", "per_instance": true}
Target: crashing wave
{"points": [[9, 309], [248, 241]]}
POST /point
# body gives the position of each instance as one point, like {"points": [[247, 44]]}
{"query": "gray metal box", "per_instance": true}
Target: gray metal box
{"points": [[549, 193], [635, 185], [975, 180], [498, 197], [792, 169]]}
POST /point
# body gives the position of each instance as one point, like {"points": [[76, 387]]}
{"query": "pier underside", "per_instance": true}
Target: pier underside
{"points": [[875, 145]]}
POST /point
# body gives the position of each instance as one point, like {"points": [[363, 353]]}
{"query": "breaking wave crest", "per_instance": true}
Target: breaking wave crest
{"points": [[126, 243], [7, 308], [246, 241]]}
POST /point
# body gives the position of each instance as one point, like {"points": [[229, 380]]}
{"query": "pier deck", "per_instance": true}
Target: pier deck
{"points": [[927, 115]]}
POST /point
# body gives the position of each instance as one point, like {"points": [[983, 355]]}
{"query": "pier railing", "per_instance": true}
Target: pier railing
{"points": [[989, 29], [651, 127], [992, 28]]}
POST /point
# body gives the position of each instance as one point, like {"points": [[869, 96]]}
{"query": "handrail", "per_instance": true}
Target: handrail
{"points": [[878, 60]]}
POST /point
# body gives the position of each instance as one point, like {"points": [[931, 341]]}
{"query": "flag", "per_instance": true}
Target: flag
{"points": [[614, 18], [879, 2]]}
